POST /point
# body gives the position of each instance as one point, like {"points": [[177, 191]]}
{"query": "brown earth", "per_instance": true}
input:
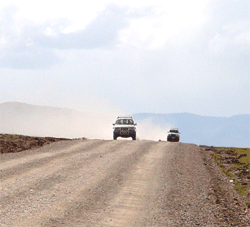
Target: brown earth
{"points": [[17, 143], [114, 183]]}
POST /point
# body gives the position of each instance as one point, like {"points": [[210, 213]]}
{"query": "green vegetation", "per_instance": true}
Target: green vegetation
{"points": [[242, 154], [235, 163], [241, 190], [9, 135], [216, 157], [226, 171]]}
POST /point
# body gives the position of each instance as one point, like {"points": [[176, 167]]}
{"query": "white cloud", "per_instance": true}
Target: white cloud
{"points": [[157, 56], [152, 23], [78, 12], [232, 35], [168, 22]]}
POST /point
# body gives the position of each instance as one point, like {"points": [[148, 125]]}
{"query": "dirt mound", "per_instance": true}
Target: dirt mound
{"points": [[17, 143]]}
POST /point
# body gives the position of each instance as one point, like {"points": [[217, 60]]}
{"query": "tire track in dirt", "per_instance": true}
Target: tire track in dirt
{"points": [[20, 166], [44, 175], [135, 198], [90, 201], [112, 183], [63, 178]]}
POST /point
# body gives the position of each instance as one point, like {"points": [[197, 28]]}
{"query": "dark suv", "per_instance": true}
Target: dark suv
{"points": [[124, 127]]}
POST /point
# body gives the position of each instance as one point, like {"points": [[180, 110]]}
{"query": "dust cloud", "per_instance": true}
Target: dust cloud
{"points": [[32, 120], [26, 119], [148, 130]]}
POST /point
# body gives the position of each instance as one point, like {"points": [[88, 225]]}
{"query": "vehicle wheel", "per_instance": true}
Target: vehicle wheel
{"points": [[114, 137], [134, 137]]}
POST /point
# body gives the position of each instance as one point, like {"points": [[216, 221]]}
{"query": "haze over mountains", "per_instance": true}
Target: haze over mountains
{"points": [[21, 118], [204, 130], [26, 119]]}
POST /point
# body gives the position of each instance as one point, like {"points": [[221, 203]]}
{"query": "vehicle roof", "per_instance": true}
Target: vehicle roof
{"points": [[124, 117]]}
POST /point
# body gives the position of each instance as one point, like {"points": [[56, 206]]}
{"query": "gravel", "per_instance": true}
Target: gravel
{"points": [[117, 183]]}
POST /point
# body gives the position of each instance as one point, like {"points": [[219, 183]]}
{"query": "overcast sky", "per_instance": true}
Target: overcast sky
{"points": [[132, 56]]}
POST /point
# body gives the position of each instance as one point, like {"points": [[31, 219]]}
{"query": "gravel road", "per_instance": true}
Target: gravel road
{"points": [[115, 183]]}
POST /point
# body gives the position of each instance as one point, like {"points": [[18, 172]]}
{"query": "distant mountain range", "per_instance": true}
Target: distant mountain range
{"points": [[203, 130], [26, 119]]}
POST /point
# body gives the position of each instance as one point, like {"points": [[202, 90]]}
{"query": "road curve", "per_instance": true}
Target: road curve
{"points": [[107, 183]]}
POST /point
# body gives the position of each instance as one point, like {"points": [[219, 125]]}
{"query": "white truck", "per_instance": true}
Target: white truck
{"points": [[173, 135], [124, 127]]}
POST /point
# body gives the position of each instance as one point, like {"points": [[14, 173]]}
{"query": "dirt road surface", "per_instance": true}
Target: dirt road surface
{"points": [[115, 183]]}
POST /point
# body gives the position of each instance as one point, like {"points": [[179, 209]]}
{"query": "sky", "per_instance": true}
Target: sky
{"points": [[127, 57]]}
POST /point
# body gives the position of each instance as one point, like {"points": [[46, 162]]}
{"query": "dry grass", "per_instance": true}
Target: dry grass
{"points": [[235, 163]]}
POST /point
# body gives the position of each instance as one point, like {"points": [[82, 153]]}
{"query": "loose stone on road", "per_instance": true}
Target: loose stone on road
{"points": [[108, 183]]}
